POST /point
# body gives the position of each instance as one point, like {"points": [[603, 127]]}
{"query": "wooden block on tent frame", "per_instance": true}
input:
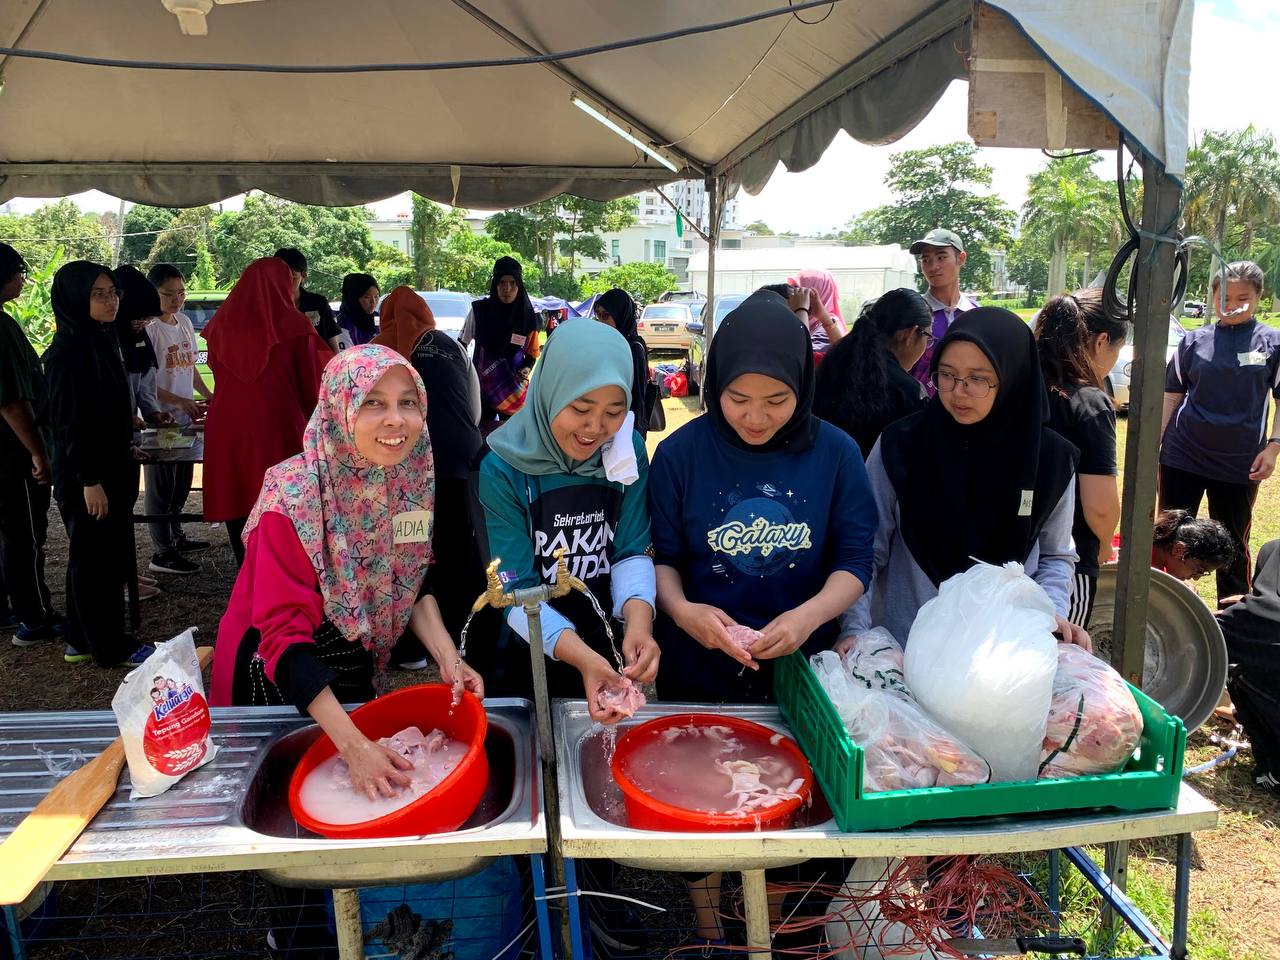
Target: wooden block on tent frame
{"points": [[1018, 99]]}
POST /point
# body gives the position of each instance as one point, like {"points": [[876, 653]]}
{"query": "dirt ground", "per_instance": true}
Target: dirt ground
{"points": [[1235, 889]]}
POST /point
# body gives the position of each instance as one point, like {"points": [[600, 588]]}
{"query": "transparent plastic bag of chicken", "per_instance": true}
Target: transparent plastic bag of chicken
{"points": [[1094, 722]]}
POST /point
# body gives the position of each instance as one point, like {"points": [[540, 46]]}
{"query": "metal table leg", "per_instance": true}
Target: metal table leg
{"points": [[1055, 887], [755, 902], [537, 871], [573, 914], [1181, 897], [14, 933], [346, 920]]}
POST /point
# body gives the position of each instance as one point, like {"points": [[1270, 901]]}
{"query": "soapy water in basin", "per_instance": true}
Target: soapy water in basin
{"points": [[713, 769], [328, 796]]}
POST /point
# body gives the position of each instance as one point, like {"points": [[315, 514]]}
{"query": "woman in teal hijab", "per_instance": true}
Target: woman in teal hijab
{"points": [[568, 471]]}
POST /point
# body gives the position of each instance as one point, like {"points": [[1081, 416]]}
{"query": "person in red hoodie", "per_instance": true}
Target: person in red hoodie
{"points": [[266, 359]]}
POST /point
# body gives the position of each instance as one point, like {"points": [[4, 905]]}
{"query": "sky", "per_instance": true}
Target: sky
{"points": [[1234, 46]]}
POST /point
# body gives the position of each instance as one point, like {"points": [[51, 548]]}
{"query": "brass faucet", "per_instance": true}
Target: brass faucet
{"points": [[494, 596]]}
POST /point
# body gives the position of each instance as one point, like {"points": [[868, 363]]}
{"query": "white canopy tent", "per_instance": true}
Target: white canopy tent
{"points": [[726, 104]]}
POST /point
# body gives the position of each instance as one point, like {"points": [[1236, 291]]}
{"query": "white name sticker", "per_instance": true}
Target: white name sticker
{"points": [[1024, 508], [518, 339], [412, 526], [1255, 358]]}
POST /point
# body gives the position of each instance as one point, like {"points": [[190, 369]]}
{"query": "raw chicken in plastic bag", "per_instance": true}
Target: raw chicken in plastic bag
{"points": [[164, 718], [1094, 722], [981, 659], [875, 660], [903, 749]]}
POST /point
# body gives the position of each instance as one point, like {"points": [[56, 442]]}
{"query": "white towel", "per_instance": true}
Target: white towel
{"points": [[620, 458]]}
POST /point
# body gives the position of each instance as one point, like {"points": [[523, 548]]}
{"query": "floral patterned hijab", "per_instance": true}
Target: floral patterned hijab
{"points": [[343, 507]]}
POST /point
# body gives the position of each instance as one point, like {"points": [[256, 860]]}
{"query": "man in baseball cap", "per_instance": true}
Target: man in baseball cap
{"points": [[941, 254]]}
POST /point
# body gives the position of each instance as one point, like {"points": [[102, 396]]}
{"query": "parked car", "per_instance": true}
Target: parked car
{"points": [[201, 308], [725, 303], [1117, 381], [664, 326], [1192, 308]]}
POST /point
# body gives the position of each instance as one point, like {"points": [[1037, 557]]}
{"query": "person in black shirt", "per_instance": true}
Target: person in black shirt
{"points": [[863, 384], [24, 469], [315, 307], [453, 412], [1078, 343]]}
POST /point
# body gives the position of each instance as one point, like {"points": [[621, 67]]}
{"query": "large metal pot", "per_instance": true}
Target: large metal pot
{"points": [[1186, 657]]}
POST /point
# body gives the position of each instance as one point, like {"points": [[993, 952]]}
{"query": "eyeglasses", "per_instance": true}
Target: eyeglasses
{"points": [[111, 293], [976, 387], [929, 338]]}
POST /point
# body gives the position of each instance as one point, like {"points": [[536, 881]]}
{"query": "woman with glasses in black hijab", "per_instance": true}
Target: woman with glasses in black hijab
{"points": [[976, 475], [95, 465]]}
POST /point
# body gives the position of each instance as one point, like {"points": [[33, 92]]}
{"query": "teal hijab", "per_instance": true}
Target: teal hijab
{"points": [[582, 356]]}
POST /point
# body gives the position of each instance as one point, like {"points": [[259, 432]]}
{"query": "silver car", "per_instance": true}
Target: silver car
{"points": [[662, 326], [1121, 374]]}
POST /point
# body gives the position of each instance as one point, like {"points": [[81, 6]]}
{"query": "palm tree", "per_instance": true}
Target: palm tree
{"points": [[1232, 188], [1068, 205]]}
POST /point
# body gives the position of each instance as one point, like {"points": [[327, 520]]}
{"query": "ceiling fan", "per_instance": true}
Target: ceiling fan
{"points": [[192, 14]]}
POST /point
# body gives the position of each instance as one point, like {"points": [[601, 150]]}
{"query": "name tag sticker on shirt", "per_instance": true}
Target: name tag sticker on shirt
{"points": [[412, 526], [1255, 358], [518, 339], [1024, 508]]}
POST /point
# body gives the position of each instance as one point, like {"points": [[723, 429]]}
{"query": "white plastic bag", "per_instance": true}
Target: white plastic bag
{"points": [[164, 718], [1094, 722], [903, 749], [855, 928], [981, 659]]}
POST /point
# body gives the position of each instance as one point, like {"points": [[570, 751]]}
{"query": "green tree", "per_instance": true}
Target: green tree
{"points": [[644, 281], [335, 240], [1068, 206], [759, 228], [434, 225], [563, 285], [146, 222], [938, 187], [390, 266], [469, 259], [584, 220], [34, 310], [566, 224], [60, 224], [179, 243], [1028, 266], [1232, 190]]}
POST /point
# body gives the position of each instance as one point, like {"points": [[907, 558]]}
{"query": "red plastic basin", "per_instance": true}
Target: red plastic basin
{"points": [[443, 808], [646, 812]]}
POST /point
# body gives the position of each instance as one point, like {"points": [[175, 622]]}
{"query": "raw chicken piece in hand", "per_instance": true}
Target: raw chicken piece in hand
{"points": [[625, 697]]}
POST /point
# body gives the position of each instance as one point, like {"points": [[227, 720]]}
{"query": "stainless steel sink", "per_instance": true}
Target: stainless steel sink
{"points": [[233, 813], [591, 805]]}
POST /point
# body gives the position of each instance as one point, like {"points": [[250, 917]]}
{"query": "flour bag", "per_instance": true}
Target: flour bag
{"points": [[164, 718], [981, 659]]}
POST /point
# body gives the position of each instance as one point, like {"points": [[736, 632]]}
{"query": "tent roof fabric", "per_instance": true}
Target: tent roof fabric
{"points": [[732, 103]]}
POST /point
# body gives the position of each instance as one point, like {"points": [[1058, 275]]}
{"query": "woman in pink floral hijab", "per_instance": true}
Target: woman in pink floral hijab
{"points": [[336, 555]]}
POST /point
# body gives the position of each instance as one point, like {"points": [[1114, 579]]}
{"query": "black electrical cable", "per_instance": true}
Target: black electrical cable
{"points": [[414, 67], [1111, 302], [813, 23]]}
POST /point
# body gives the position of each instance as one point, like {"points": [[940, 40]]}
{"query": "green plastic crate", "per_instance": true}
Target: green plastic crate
{"points": [[1149, 781]]}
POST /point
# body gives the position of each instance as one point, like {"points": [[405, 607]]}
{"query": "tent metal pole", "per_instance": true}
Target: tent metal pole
{"points": [[714, 185], [1161, 201]]}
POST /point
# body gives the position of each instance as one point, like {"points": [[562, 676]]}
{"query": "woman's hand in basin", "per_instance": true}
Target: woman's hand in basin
{"points": [[375, 769]]}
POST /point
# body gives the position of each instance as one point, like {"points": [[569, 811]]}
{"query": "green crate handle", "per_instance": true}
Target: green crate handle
{"points": [[1150, 780]]}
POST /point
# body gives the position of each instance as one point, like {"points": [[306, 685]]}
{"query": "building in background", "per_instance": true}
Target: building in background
{"points": [[394, 232], [861, 273]]}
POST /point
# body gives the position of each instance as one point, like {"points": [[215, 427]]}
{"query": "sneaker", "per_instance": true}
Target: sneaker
{"points": [[33, 636], [192, 545], [138, 657], [149, 581], [72, 655], [172, 562], [419, 664], [146, 591]]}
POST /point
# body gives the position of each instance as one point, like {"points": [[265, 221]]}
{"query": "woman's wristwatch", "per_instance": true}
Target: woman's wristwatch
{"points": [[1272, 440]]}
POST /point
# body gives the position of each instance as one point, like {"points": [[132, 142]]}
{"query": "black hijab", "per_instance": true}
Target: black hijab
{"points": [[961, 489], [11, 263], [354, 286], [619, 305], [138, 299], [498, 322], [763, 336]]}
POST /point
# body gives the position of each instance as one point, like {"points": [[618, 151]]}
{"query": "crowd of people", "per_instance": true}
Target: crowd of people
{"points": [[366, 466]]}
